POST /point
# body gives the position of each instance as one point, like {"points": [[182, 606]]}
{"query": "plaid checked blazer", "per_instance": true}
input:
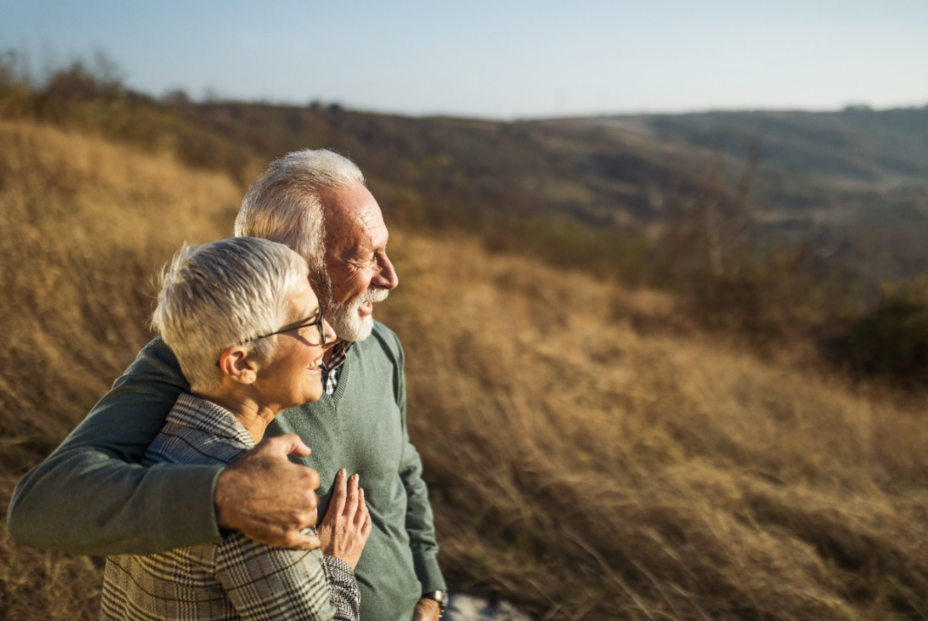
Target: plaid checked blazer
{"points": [[236, 579]]}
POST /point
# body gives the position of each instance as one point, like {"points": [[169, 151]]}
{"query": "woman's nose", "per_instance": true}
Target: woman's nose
{"points": [[329, 332]]}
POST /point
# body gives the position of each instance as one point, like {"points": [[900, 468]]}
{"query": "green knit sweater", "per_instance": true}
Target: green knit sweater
{"points": [[91, 497]]}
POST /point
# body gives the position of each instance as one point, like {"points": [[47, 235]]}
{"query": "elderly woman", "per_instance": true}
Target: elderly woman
{"points": [[247, 330]]}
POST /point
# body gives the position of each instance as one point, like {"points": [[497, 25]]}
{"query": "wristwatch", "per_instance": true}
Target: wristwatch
{"points": [[439, 596]]}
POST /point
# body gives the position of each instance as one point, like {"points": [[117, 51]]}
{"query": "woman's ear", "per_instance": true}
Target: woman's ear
{"points": [[238, 363]]}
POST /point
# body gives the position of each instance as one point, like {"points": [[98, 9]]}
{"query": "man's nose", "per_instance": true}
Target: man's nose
{"points": [[387, 277]]}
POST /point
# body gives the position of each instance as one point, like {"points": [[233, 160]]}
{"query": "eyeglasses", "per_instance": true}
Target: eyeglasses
{"points": [[302, 329]]}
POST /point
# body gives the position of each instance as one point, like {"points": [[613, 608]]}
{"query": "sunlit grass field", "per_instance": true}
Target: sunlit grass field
{"points": [[589, 456]]}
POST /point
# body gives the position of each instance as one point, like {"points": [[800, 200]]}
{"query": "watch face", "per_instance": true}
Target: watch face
{"points": [[439, 596]]}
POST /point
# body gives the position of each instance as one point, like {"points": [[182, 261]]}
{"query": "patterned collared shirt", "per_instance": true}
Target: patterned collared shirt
{"points": [[236, 579], [333, 369]]}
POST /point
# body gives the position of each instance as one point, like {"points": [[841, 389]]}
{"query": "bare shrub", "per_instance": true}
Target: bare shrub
{"points": [[888, 343]]}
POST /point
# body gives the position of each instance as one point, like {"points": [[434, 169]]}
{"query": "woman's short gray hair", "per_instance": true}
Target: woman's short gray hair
{"points": [[218, 295], [283, 205]]}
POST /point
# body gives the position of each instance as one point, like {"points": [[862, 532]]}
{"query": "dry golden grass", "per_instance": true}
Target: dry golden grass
{"points": [[581, 466], [594, 472], [83, 225]]}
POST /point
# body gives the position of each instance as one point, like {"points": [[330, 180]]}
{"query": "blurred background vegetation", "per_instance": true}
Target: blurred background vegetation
{"points": [[671, 366]]}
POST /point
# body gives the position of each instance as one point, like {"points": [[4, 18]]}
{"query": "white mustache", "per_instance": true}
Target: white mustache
{"points": [[375, 295]]}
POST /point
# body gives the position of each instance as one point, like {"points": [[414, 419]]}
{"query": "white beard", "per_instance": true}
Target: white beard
{"points": [[345, 320]]}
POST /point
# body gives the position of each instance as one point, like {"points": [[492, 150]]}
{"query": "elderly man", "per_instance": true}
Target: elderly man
{"points": [[91, 496]]}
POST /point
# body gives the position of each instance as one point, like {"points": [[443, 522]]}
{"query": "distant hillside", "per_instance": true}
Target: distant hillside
{"points": [[599, 193], [856, 144], [857, 179], [859, 174]]}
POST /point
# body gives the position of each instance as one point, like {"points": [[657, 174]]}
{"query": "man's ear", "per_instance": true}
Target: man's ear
{"points": [[238, 363]]}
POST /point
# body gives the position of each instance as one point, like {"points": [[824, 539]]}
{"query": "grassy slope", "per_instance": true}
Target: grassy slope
{"points": [[580, 464], [83, 225]]}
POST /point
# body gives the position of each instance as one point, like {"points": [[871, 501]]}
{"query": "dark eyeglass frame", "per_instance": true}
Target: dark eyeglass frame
{"points": [[315, 322]]}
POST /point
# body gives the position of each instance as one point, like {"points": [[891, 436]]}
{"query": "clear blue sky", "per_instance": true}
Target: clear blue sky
{"points": [[500, 59]]}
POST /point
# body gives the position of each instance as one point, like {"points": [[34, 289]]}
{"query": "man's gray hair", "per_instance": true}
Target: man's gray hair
{"points": [[283, 205], [220, 294]]}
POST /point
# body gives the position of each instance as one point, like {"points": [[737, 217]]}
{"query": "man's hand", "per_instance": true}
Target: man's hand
{"points": [[268, 498], [347, 524], [426, 610]]}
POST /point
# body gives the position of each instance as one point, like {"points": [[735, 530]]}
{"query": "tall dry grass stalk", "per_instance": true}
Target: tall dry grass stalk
{"points": [[580, 466]]}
